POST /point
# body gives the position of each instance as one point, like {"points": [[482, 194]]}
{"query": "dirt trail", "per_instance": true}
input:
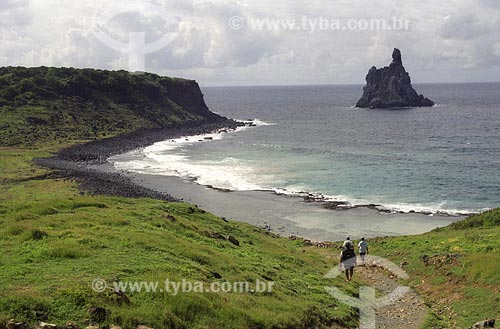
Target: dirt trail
{"points": [[407, 311]]}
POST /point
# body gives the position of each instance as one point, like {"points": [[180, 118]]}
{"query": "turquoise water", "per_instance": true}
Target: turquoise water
{"points": [[311, 139]]}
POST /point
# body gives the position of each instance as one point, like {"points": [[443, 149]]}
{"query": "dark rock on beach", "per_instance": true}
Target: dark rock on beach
{"points": [[77, 162], [337, 205], [390, 87], [100, 150], [97, 182]]}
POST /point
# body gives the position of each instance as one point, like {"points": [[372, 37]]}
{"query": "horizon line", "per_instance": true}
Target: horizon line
{"points": [[238, 85], [338, 84]]}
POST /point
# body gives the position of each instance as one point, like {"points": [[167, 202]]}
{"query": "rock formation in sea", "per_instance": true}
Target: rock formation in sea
{"points": [[390, 86]]}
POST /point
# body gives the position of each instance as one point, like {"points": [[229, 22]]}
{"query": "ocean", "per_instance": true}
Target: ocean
{"points": [[310, 139]]}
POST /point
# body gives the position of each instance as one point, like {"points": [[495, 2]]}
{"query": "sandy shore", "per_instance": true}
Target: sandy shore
{"points": [[288, 215], [285, 215]]}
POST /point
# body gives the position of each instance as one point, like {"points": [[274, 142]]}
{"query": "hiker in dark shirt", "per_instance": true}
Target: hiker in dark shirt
{"points": [[348, 260]]}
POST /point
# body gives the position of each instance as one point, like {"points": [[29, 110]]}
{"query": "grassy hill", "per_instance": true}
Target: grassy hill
{"points": [[39, 105], [456, 268], [55, 239]]}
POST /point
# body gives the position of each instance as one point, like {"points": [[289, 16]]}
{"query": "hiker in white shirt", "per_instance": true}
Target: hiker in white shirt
{"points": [[363, 250]]}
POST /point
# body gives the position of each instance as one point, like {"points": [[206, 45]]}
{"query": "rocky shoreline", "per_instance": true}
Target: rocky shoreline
{"points": [[346, 205], [99, 151], [76, 162]]}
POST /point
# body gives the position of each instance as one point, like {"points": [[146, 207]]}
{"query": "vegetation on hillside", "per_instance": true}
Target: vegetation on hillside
{"points": [[55, 241], [456, 268], [39, 105]]}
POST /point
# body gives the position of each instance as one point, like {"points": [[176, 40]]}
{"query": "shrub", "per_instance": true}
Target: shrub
{"points": [[37, 235]]}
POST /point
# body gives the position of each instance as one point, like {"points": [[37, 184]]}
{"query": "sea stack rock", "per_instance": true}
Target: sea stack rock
{"points": [[391, 86]]}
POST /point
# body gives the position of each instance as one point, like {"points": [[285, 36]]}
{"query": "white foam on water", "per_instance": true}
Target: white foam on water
{"points": [[259, 122], [430, 209], [168, 158]]}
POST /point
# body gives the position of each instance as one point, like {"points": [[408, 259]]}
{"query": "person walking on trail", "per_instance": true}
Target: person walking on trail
{"points": [[348, 242], [348, 259], [363, 250]]}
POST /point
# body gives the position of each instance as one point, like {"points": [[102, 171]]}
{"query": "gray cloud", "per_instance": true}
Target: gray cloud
{"points": [[13, 13], [449, 40]]}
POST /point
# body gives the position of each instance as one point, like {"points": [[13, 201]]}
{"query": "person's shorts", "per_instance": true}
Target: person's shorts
{"points": [[349, 263]]}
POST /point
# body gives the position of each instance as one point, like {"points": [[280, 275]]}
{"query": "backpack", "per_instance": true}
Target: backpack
{"points": [[348, 253]]}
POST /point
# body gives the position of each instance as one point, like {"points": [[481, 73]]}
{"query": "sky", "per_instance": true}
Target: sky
{"points": [[257, 42]]}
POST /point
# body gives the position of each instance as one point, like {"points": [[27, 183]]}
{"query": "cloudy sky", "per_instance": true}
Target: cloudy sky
{"points": [[257, 42]]}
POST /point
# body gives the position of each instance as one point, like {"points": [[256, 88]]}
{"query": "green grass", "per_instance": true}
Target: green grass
{"points": [[55, 242], [456, 268], [43, 105]]}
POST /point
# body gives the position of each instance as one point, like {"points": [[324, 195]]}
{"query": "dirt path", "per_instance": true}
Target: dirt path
{"points": [[407, 311]]}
